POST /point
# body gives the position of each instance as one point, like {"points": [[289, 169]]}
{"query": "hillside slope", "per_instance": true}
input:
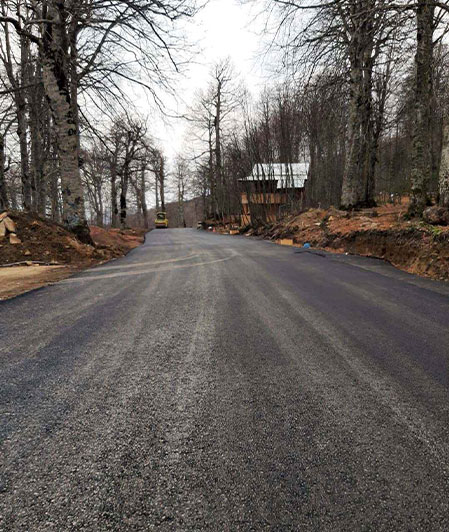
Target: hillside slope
{"points": [[383, 232]]}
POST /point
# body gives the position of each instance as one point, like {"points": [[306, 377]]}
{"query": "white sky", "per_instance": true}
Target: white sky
{"points": [[224, 28]]}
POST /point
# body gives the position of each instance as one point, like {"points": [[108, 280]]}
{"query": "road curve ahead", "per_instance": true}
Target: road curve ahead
{"points": [[222, 383]]}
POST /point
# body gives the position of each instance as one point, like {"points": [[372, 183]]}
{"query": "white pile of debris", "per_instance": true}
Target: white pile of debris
{"points": [[8, 229]]}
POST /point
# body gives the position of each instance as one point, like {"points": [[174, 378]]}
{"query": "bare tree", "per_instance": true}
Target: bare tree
{"points": [[18, 78], [212, 118], [158, 165], [182, 178], [95, 177]]}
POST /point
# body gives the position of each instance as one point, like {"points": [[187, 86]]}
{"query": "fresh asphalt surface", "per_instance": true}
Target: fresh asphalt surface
{"points": [[212, 382]]}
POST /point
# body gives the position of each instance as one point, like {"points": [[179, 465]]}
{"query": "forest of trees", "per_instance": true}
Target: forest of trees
{"points": [[67, 130], [364, 99], [362, 94]]}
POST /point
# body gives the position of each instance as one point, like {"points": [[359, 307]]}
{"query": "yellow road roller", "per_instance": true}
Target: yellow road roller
{"points": [[161, 221]]}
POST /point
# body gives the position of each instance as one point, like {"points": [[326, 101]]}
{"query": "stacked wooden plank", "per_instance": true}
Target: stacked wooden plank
{"points": [[8, 229]]}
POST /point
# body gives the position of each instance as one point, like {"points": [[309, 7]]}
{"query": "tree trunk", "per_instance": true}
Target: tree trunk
{"points": [[124, 181], [422, 146], [99, 217], [353, 186], [123, 208], [21, 110], [114, 208], [444, 170], [23, 145], [57, 88], [143, 198], [369, 134], [146, 221], [212, 180], [36, 123], [156, 191], [162, 183], [54, 198], [358, 186], [4, 202], [181, 186], [358, 189], [218, 161]]}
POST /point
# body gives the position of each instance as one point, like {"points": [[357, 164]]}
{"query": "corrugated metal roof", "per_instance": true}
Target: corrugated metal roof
{"points": [[292, 175]]}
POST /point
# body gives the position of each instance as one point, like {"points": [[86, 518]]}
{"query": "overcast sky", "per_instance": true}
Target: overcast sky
{"points": [[223, 28]]}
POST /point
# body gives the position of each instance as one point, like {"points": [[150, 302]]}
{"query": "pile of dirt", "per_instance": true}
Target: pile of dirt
{"points": [[383, 232], [116, 241], [8, 229], [35, 252], [47, 242], [43, 241]]}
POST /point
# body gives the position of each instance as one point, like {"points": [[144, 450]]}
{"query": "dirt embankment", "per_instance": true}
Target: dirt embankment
{"points": [[35, 251], [382, 232]]}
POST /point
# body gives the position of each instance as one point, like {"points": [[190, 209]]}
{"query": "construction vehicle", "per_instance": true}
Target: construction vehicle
{"points": [[161, 221]]}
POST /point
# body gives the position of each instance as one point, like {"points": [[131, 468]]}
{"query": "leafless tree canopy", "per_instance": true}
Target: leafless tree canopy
{"points": [[63, 63], [364, 100], [362, 94]]}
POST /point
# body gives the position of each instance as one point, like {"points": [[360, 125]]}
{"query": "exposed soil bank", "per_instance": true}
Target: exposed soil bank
{"points": [[383, 233], [46, 252]]}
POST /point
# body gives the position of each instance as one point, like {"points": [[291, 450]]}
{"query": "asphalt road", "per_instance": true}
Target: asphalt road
{"points": [[221, 383]]}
